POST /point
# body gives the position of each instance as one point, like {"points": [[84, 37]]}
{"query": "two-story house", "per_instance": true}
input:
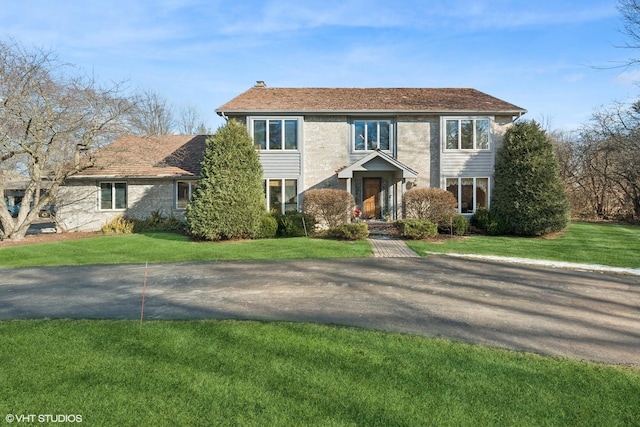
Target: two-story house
{"points": [[376, 143]]}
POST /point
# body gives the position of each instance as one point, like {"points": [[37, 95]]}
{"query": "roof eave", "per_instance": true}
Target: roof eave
{"points": [[515, 112]]}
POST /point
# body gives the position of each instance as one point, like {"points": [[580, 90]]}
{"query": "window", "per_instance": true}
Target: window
{"points": [[275, 134], [282, 194], [372, 135], [467, 134], [471, 193], [113, 195], [184, 192]]}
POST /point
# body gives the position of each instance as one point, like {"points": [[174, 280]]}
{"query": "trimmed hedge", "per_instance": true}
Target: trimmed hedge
{"points": [[416, 229], [268, 227], [352, 231]]}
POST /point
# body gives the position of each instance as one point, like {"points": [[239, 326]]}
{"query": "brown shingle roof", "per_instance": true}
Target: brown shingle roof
{"points": [[260, 99], [149, 156]]}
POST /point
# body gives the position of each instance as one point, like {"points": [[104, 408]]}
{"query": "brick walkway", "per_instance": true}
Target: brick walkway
{"points": [[390, 247]]}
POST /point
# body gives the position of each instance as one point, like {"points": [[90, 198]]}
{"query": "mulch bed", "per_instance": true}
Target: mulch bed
{"points": [[46, 238]]}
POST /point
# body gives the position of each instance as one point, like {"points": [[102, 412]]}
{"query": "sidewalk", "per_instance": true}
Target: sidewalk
{"points": [[390, 247], [545, 263]]}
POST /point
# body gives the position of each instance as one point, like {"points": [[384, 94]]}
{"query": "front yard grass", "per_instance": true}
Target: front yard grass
{"points": [[173, 247], [613, 245], [281, 374]]}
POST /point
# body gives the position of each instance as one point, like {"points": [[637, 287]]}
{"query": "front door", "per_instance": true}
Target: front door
{"points": [[371, 202]]}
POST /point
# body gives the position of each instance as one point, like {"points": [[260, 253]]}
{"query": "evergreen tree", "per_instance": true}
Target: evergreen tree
{"points": [[528, 196], [229, 200]]}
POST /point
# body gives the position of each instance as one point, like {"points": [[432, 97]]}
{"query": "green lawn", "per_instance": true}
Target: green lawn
{"points": [[172, 247], [606, 244], [177, 373]]}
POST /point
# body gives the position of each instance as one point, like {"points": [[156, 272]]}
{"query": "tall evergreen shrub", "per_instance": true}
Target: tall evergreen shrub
{"points": [[528, 196], [229, 201]]}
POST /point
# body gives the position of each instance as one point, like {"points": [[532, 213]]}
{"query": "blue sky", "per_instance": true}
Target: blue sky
{"points": [[552, 58]]}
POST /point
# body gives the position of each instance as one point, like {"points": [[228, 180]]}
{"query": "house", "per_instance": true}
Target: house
{"points": [[136, 176], [376, 143]]}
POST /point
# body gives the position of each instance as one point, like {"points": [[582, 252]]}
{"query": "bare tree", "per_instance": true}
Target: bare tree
{"points": [[630, 11], [51, 120], [190, 122], [151, 114]]}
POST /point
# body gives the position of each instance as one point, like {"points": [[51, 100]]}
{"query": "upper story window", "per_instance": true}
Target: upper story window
{"points": [[275, 134], [467, 134], [372, 135], [113, 195]]}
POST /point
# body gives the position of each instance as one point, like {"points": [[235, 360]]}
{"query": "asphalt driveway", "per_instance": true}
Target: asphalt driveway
{"points": [[577, 314]]}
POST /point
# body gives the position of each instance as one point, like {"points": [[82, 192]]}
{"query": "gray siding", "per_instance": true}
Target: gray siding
{"points": [[280, 164], [478, 163]]}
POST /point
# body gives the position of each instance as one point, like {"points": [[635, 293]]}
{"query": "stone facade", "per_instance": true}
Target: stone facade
{"points": [[78, 202]]}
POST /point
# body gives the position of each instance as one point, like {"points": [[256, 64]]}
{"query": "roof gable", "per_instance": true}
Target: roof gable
{"points": [[377, 161], [261, 99], [149, 156]]}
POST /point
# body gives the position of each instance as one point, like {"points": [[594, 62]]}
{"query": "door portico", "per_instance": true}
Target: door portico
{"points": [[378, 182]]}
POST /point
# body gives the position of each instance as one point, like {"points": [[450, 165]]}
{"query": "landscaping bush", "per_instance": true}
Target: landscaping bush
{"points": [[434, 204], [488, 222], [157, 222], [228, 201], [118, 225], [416, 229], [528, 196], [353, 231], [328, 206], [268, 227], [460, 225], [294, 224], [481, 218]]}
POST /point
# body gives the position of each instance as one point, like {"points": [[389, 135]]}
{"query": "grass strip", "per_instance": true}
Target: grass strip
{"points": [[613, 245]]}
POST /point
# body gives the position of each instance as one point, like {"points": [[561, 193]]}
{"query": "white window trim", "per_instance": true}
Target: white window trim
{"points": [[299, 119], [392, 139], [113, 196], [191, 183], [443, 126], [459, 196]]}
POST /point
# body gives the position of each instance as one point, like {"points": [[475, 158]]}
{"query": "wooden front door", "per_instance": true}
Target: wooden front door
{"points": [[371, 202]]}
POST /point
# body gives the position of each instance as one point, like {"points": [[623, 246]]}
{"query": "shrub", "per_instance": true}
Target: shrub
{"points": [[157, 222], [268, 227], [294, 224], [434, 204], [480, 219], [487, 221], [228, 201], [353, 231], [528, 196], [118, 225], [460, 225], [416, 229], [329, 206]]}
